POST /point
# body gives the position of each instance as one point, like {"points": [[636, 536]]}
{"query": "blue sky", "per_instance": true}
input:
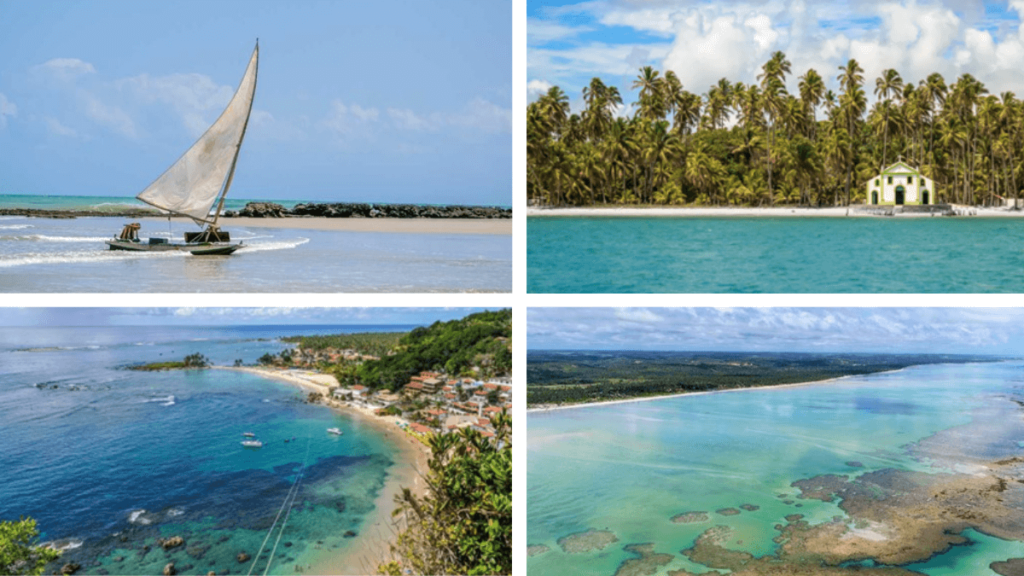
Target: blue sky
{"points": [[56, 317], [383, 101], [704, 40], [998, 331]]}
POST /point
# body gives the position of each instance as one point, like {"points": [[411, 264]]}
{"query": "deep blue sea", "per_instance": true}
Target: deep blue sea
{"points": [[775, 255], [630, 467], [107, 460]]}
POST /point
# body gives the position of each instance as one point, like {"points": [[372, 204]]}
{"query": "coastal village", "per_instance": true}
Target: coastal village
{"points": [[432, 402]]}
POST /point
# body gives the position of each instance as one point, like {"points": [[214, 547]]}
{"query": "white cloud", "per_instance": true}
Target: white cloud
{"points": [[112, 117], [7, 108], [479, 114], [65, 68], [409, 120], [536, 88], [347, 119], [196, 98], [541, 31], [55, 127], [709, 41]]}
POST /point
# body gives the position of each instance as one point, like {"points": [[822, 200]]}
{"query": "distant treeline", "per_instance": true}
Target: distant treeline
{"points": [[556, 377], [372, 343]]}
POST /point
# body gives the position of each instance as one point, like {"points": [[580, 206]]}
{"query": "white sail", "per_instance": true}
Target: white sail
{"points": [[191, 185]]}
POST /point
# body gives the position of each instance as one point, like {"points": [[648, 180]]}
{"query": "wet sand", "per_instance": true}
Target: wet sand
{"points": [[372, 545], [490, 226]]}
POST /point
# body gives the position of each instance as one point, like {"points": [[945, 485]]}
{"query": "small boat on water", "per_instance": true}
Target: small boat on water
{"points": [[248, 434], [252, 443], [191, 186], [335, 431]]}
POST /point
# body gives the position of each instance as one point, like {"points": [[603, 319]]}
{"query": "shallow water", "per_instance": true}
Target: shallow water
{"points": [[111, 459], [629, 468], [775, 255], [57, 255]]}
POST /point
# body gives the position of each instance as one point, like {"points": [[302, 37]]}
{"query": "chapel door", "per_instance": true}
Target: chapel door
{"points": [[899, 195]]}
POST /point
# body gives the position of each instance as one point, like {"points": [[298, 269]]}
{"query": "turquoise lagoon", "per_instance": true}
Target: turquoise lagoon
{"points": [[774, 255], [630, 467], [107, 460]]}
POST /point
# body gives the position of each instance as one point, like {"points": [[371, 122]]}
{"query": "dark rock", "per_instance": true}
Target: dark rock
{"points": [[794, 517], [854, 464], [172, 542], [750, 507], [348, 534], [70, 568], [1011, 567], [287, 544], [118, 558], [169, 569], [242, 557], [263, 210], [727, 511], [224, 538]]}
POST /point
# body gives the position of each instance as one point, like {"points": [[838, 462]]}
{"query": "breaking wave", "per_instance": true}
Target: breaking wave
{"points": [[80, 257], [282, 245], [164, 401]]}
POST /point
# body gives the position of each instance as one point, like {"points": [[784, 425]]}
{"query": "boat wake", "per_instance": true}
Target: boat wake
{"points": [[45, 238], [282, 245], [15, 226], [83, 256], [164, 401]]}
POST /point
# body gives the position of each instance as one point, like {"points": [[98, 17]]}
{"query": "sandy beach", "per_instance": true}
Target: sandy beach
{"points": [[372, 546], [549, 408], [766, 212], [490, 226]]}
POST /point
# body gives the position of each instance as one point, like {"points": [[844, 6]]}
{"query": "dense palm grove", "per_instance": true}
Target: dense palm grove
{"points": [[678, 149]]}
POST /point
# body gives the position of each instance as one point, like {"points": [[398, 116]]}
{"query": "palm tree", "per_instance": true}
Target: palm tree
{"points": [[851, 106], [773, 87], [812, 89], [886, 85], [651, 104]]}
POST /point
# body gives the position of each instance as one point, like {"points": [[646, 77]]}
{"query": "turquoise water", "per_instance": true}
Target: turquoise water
{"points": [[775, 255], [631, 467], [107, 460]]}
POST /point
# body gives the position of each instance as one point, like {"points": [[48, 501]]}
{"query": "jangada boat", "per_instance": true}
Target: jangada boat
{"points": [[192, 185]]}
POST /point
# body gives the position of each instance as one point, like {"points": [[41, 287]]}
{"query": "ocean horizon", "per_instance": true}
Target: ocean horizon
{"points": [[108, 460]]}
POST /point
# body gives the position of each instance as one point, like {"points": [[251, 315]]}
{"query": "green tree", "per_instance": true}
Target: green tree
{"points": [[463, 525], [20, 552]]}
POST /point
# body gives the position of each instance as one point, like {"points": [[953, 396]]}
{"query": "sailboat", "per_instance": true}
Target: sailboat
{"points": [[192, 185]]}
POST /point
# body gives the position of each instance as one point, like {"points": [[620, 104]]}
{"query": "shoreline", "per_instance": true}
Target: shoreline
{"points": [[744, 389], [855, 211], [372, 545]]}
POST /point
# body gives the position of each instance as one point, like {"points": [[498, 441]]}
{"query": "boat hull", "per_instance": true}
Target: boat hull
{"points": [[202, 249]]}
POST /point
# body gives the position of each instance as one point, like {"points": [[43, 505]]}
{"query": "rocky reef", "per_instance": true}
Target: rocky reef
{"points": [[647, 562], [586, 541], [361, 210]]}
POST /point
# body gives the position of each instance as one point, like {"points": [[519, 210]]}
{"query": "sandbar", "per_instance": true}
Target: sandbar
{"points": [[372, 545], [487, 226]]}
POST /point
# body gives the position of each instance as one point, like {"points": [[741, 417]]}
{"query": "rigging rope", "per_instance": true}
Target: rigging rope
{"points": [[291, 491]]}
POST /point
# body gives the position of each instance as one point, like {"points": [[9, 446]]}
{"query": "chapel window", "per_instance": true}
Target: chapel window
{"points": [[890, 179], [910, 179]]}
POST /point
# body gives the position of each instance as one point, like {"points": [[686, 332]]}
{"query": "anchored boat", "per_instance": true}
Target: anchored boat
{"points": [[192, 185]]}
